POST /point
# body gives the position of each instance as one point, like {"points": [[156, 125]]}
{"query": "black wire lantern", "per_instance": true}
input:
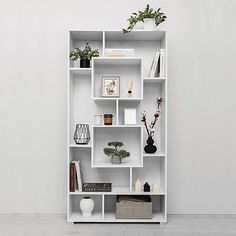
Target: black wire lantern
{"points": [[82, 134]]}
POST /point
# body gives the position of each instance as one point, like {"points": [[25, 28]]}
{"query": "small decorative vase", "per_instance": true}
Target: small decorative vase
{"points": [[82, 134], [149, 24], [86, 206], [130, 94], [84, 63], [115, 160], [150, 148]]}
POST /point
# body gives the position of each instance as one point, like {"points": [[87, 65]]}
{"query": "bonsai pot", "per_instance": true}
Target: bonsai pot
{"points": [[149, 24], [115, 160], [84, 63]]}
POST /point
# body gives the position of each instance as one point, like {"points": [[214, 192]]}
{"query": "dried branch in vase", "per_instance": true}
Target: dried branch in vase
{"points": [[150, 128]]}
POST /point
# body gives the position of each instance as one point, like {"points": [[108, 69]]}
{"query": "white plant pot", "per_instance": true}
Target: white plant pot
{"points": [[139, 26], [87, 206], [149, 24]]}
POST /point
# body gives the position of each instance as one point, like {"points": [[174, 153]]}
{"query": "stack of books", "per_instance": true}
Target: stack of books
{"points": [[97, 187], [158, 64], [118, 52], [76, 181]]}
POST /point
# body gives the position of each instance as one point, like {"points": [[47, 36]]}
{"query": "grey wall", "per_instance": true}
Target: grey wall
{"points": [[202, 111]]}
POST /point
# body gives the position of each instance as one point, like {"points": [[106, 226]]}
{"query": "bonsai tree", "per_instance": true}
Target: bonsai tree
{"points": [[85, 55], [147, 13], [115, 153]]}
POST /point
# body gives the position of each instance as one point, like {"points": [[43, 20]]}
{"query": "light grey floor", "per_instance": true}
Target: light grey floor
{"points": [[31, 225]]}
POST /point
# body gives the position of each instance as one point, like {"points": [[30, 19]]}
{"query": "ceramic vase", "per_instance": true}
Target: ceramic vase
{"points": [[86, 206], [150, 147]]}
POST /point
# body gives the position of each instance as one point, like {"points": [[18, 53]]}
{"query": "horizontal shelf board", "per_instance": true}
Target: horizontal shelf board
{"points": [[114, 99], [77, 217], [154, 80], [80, 145], [110, 165], [81, 71], [117, 126], [157, 217], [135, 35], [117, 61], [154, 154], [119, 190]]}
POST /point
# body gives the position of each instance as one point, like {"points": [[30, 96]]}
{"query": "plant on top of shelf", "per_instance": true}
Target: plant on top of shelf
{"points": [[150, 147], [148, 16], [85, 55], [116, 154]]}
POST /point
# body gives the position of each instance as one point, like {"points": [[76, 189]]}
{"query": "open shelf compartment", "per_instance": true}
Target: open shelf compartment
{"points": [[131, 137]]}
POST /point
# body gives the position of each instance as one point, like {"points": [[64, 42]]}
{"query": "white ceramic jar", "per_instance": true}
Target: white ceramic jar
{"points": [[149, 24], [87, 206]]}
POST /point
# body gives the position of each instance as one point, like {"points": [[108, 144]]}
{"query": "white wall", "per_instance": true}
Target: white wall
{"points": [[202, 111]]}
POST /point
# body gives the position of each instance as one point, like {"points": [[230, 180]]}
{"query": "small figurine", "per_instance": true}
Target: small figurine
{"points": [[146, 187], [138, 186], [155, 187]]}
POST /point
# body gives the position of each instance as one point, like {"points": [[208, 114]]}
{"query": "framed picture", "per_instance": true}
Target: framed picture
{"points": [[110, 86], [130, 117]]}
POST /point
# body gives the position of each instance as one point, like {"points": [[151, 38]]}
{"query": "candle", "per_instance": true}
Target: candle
{"points": [[138, 186], [98, 119], [155, 187]]}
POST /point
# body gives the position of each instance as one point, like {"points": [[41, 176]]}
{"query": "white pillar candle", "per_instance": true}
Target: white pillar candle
{"points": [[138, 186]]}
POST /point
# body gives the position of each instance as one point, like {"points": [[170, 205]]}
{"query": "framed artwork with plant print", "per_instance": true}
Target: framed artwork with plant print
{"points": [[110, 86]]}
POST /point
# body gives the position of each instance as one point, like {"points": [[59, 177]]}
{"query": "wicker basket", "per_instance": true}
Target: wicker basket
{"points": [[133, 210]]}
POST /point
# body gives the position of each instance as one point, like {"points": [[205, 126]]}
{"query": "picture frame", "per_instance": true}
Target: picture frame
{"points": [[130, 116], [110, 86]]}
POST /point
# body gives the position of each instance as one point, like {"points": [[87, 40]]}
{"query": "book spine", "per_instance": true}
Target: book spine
{"points": [[117, 50], [154, 67], [162, 62], [72, 177]]}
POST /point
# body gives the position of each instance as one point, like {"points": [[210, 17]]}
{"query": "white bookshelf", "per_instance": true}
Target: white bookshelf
{"points": [[85, 100]]}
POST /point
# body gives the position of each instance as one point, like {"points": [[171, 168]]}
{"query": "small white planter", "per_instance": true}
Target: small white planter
{"points": [[149, 24], [87, 206]]}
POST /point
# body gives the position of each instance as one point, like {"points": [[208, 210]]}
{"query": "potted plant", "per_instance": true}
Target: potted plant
{"points": [[116, 154], [148, 16], [84, 55]]}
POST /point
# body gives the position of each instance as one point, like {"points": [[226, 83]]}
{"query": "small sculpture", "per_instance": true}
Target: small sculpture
{"points": [[155, 187], [138, 186], [146, 187]]}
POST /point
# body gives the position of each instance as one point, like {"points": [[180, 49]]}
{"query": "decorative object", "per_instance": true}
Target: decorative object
{"points": [[150, 18], [115, 154], [146, 187], [110, 86], [85, 55], [130, 116], [82, 134], [138, 186], [97, 187], [130, 88], [86, 206], [118, 52], [134, 207], [97, 119], [150, 147], [155, 187], [108, 119]]}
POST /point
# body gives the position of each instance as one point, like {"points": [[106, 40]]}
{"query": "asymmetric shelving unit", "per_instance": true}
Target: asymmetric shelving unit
{"points": [[85, 100]]}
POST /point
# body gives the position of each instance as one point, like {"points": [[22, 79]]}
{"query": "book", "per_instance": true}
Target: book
{"points": [[72, 177], [78, 175], [154, 64], [97, 187], [162, 63], [118, 52]]}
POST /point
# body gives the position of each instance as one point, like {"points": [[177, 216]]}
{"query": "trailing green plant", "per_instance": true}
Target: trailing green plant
{"points": [[115, 151], [86, 54], [148, 12]]}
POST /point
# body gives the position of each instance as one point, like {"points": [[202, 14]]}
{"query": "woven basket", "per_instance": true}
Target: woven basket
{"points": [[133, 210]]}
